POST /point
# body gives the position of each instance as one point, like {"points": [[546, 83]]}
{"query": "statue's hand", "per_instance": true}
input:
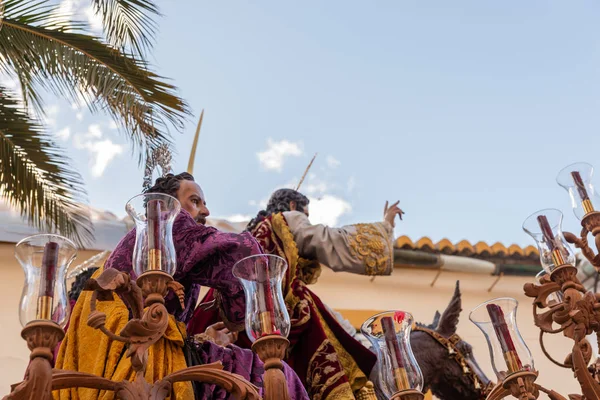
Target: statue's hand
{"points": [[221, 335], [390, 212]]}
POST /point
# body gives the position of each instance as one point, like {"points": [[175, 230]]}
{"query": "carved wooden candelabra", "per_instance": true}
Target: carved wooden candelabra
{"points": [[271, 350], [145, 298], [577, 315], [568, 308], [522, 386]]}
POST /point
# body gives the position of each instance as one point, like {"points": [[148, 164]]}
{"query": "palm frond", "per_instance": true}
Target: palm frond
{"points": [[35, 176], [76, 65], [128, 24]]}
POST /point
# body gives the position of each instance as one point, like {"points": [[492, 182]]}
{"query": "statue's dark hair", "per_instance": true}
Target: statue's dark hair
{"points": [[169, 184], [79, 283], [280, 202]]}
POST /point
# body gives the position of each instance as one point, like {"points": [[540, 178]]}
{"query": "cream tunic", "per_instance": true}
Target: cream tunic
{"points": [[365, 249]]}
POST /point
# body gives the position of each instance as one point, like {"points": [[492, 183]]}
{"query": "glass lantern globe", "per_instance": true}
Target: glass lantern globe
{"points": [[389, 333], [497, 319], [45, 259], [545, 227], [576, 179], [262, 277], [153, 214]]}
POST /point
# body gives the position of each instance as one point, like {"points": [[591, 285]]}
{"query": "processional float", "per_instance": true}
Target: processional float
{"points": [[44, 311]]}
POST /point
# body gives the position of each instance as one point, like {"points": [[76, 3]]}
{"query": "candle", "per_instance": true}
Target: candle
{"points": [[265, 299], [583, 194], [47, 279], [557, 256], [513, 362], [391, 341], [154, 235]]}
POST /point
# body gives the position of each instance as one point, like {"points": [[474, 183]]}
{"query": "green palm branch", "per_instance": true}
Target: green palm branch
{"points": [[46, 52], [128, 24], [35, 176]]}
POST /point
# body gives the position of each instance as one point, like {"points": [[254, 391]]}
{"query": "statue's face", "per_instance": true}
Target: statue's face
{"points": [[191, 197]]}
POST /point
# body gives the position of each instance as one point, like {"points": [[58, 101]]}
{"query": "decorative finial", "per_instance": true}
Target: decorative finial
{"points": [[161, 157]]}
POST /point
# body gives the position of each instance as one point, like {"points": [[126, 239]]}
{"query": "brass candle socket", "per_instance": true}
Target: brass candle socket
{"points": [[409, 394], [271, 350], [145, 329]]}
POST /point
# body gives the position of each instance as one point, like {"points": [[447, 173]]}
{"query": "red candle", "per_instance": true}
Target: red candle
{"points": [[580, 185], [546, 231], [154, 234], [47, 279], [391, 341], [556, 250], [506, 343], [154, 222], [267, 312], [585, 198]]}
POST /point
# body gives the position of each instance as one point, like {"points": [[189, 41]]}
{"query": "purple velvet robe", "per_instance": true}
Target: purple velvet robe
{"points": [[205, 256], [245, 363]]}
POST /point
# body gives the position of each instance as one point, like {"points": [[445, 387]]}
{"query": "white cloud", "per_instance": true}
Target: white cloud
{"points": [[74, 106], [328, 209], [274, 156], [112, 125], [333, 162], [9, 81], [77, 10], [95, 20], [235, 218], [64, 134], [68, 7], [311, 188], [79, 116], [94, 131], [102, 151], [51, 113]]}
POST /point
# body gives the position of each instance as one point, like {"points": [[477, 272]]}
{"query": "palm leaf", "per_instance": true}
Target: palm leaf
{"points": [[35, 176], [128, 24], [45, 54]]}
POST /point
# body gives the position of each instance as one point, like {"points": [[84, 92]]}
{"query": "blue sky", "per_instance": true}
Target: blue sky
{"points": [[465, 110]]}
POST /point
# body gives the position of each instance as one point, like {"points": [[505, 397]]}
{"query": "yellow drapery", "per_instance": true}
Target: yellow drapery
{"points": [[85, 349]]}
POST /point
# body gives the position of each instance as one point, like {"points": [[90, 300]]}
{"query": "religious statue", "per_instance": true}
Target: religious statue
{"points": [[204, 256], [331, 362]]}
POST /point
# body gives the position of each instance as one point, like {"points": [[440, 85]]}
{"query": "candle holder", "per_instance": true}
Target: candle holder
{"points": [[45, 259], [267, 318], [511, 358], [400, 377], [571, 311], [154, 262], [545, 227], [497, 320], [153, 214], [576, 179]]}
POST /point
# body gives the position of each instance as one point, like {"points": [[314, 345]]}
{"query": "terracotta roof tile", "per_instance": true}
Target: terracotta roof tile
{"points": [[465, 248]]}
